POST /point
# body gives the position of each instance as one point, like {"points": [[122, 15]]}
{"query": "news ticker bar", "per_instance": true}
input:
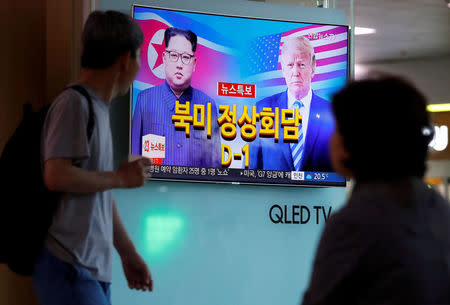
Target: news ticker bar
{"points": [[244, 175]]}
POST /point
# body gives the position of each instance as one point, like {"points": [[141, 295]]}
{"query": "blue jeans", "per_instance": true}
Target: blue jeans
{"points": [[57, 282]]}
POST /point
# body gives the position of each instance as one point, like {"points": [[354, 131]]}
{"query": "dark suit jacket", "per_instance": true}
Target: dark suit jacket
{"points": [[390, 244], [267, 154]]}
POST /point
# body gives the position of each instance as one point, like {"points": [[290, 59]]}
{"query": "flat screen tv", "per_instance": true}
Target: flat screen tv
{"points": [[236, 99]]}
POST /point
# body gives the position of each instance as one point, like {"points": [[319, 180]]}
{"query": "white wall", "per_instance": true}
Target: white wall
{"points": [[238, 7], [430, 75], [227, 250]]}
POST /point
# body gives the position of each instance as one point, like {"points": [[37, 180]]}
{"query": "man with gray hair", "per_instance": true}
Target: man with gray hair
{"points": [[310, 151]]}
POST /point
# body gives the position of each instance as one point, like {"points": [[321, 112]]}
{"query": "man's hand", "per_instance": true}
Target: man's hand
{"points": [[137, 272], [131, 174]]}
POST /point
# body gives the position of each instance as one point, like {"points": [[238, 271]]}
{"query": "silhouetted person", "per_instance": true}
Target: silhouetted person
{"points": [[390, 244]]}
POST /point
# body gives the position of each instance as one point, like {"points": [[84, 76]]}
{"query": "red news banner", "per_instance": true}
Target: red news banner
{"points": [[237, 90], [150, 146]]}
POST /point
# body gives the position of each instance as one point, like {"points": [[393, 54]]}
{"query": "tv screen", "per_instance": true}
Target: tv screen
{"points": [[236, 99]]}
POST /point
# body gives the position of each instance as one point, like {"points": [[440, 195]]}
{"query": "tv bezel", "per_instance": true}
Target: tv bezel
{"points": [[181, 179]]}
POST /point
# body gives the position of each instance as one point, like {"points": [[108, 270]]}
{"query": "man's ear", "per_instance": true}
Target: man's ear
{"points": [[124, 61], [194, 63], [339, 155], [313, 66]]}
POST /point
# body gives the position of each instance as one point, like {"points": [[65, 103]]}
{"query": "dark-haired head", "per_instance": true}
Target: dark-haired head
{"points": [[189, 35], [384, 127], [108, 35]]}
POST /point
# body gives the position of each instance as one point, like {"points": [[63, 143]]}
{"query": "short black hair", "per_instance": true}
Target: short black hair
{"points": [[385, 128], [188, 34], [108, 35]]}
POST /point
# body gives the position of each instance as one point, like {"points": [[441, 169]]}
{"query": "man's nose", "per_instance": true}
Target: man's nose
{"points": [[296, 70]]}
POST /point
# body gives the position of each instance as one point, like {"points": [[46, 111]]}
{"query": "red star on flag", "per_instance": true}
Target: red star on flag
{"points": [[159, 48]]}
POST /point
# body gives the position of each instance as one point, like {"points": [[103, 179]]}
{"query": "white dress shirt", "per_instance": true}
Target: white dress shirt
{"points": [[304, 111]]}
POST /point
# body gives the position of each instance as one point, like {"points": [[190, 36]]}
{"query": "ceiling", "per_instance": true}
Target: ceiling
{"points": [[405, 29]]}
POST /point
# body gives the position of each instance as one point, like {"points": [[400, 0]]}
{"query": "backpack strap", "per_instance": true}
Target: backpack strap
{"points": [[91, 120]]}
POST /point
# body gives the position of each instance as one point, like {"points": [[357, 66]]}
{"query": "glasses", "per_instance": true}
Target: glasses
{"points": [[185, 57]]}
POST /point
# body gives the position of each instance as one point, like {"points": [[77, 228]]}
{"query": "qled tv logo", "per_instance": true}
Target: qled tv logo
{"points": [[299, 214]]}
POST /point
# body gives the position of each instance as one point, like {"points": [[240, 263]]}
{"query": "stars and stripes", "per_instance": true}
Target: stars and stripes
{"points": [[266, 53]]}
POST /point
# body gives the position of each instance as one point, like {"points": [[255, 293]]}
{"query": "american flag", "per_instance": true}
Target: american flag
{"points": [[265, 50], [330, 47]]}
